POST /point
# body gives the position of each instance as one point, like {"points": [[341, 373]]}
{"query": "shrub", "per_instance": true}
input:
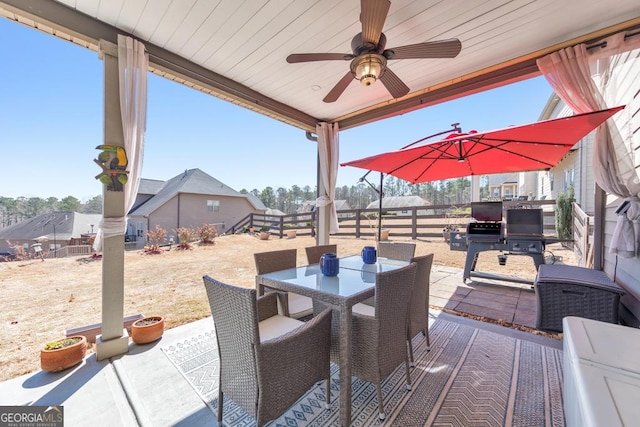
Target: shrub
{"points": [[19, 253], [186, 235], [207, 234], [564, 214], [156, 238]]}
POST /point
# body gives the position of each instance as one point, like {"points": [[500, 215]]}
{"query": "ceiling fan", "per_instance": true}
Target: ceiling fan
{"points": [[369, 57]]}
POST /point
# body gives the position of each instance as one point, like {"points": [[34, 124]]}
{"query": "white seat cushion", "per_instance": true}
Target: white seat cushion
{"points": [[364, 309], [276, 326], [299, 305]]}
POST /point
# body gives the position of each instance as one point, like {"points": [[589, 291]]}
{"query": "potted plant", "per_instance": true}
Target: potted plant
{"points": [[384, 234], [147, 329], [63, 353], [453, 216], [446, 231], [264, 233], [290, 231]]}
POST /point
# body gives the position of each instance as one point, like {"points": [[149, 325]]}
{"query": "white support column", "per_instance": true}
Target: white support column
{"points": [[475, 188], [114, 339]]}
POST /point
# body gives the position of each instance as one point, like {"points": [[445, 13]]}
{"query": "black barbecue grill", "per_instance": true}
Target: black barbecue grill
{"points": [[521, 234]]}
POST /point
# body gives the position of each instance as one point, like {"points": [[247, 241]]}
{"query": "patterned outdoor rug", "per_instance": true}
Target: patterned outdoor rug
{"points": [[470, 377]]}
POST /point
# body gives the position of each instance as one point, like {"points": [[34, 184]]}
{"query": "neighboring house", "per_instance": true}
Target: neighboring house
{"points": [[502, 186], [341, 205], [528, 185], [53, 230], [396, 202], [190, 199], [275, 212]]}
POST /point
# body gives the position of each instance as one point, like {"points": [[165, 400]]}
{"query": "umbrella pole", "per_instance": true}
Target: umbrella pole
{"points": [[380, 209]]}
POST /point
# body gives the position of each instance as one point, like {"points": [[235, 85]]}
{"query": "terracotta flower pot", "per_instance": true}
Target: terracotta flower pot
{"points": [[71, 352], [264, 235], [147, 329], [384, 234]]}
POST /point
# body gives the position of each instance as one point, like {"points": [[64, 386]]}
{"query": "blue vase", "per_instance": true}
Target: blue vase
{"points": [[369, 255], [329, 264]]}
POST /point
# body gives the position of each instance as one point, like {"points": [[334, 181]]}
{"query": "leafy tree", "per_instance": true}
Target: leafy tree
{"points": [[296, 196], [52, 204], [8, 211], [93, 205], [268, 197], [70, 203], [35, 206], [281, 199]]}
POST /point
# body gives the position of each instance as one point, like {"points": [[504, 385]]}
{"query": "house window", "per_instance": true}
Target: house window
{"points": [[213, 205], [568, 178]]}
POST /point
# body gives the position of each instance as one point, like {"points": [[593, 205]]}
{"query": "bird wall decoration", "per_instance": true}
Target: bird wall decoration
{"points": [[113, 161]]}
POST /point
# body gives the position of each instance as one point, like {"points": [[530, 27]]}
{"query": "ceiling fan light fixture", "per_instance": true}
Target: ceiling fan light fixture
{"points": [[368, 68]]}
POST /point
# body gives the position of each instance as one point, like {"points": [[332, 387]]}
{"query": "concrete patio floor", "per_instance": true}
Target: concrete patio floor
{"points": [[498, 300], [143, 388]]}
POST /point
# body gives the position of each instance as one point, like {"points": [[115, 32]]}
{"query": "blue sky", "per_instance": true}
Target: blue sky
{"points": [[51, 121]]}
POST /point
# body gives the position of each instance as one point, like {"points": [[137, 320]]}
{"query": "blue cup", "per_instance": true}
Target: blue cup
{"points": [[369, 255], [329, 264]]}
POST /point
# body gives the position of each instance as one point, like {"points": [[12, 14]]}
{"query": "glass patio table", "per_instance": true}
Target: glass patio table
{"points": [[354, 262], [352, 285]]}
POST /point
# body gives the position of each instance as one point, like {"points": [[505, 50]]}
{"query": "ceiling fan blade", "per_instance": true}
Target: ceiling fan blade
{"points": [[394, 85], [373, 13], [309, 57], [449, 48], [337, 90]]}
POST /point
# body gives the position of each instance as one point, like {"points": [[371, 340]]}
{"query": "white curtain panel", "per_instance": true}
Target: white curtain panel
{"points": [[328, 153], [133, 64], [583, 80]]}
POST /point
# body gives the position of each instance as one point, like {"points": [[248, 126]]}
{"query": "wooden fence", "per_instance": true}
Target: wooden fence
{"points": [[427, 222]]}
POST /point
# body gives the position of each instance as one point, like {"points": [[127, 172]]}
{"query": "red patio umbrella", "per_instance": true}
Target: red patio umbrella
{"points": [[534, 146]]}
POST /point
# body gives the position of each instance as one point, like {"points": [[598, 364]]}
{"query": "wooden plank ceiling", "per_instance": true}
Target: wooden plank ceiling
{"points": [[237, 50]]}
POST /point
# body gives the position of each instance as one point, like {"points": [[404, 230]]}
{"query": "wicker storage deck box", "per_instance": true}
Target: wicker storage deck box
{"points": [[565, 290]]}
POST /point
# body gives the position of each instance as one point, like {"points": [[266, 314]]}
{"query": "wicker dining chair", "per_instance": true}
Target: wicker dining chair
{"points": [[419, 303], [299, 306], [396, 250], [379, 332], [267, 360], [315, 252]]}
